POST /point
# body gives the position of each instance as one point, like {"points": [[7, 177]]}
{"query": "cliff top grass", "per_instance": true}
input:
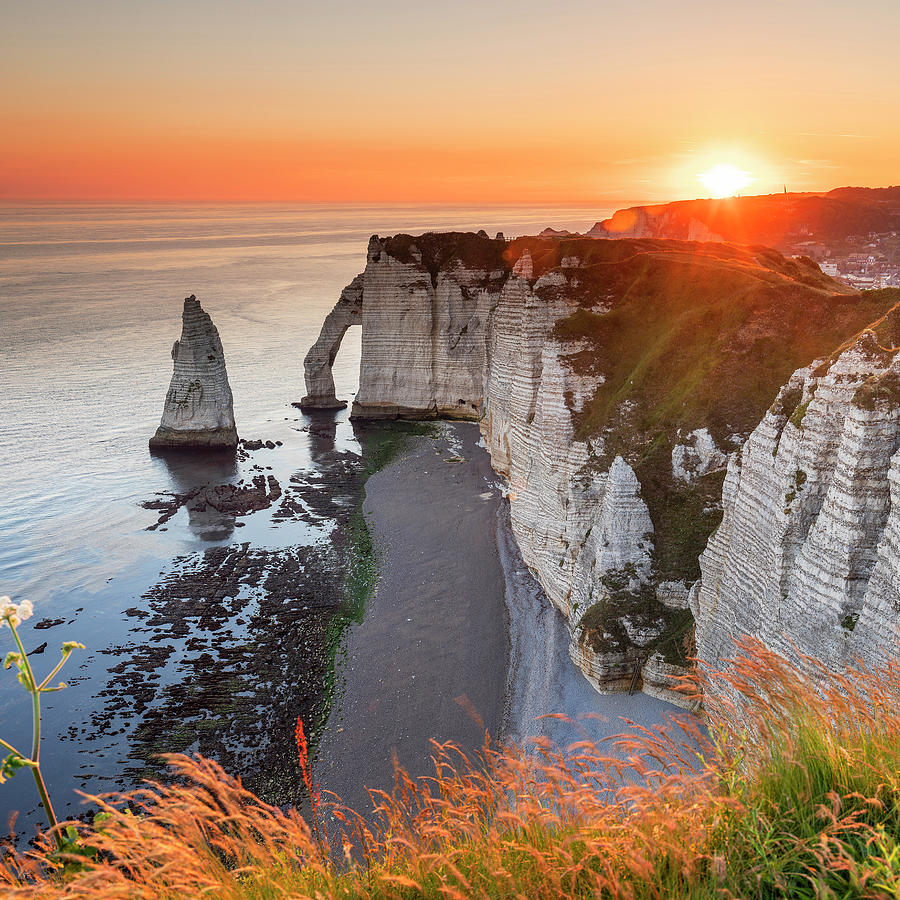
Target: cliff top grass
{"points": [[689, 336], [435, 251], [792, 792], [703, 334]]}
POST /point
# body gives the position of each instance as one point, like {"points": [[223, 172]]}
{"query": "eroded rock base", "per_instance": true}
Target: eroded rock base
{"points": [[203, 439], [463, 413]]}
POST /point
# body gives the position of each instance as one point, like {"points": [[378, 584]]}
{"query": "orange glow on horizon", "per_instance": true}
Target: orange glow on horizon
{"points": [[222, 169], [302, 101]]}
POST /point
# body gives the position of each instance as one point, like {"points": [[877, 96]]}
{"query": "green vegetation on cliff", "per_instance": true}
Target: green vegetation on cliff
{"points": [[436, 251], [632, 599], [689, 336]]}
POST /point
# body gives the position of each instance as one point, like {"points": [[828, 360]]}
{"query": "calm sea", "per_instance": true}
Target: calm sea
{"points": [[90, 303]]}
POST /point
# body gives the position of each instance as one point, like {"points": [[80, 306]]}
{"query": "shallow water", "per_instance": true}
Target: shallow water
{"points": [[542, 679], [90, 303]]}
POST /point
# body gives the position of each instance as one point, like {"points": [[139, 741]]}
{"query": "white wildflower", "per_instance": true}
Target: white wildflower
{"points": [[15, 613]]}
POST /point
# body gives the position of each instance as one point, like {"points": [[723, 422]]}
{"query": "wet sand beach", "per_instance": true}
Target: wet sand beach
{"points": [[430, 658], [458, 636]]}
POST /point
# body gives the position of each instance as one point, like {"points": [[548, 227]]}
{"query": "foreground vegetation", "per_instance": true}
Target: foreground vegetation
{"points": [[793, 793]]}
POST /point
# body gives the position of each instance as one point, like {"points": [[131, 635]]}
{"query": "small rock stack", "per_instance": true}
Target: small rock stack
{"points": [[199, 408]]}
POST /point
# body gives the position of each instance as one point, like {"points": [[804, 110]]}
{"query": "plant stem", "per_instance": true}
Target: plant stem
{"points": [[10, 748], [48, 806], [36, 741], [53, 674]]}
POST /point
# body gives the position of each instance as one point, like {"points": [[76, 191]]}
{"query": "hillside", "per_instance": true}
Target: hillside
{"points": [[776, 220], [689, 337]]}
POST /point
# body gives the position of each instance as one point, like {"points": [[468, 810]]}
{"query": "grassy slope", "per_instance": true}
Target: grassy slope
{"points": [[697, 335], [796, 794]]}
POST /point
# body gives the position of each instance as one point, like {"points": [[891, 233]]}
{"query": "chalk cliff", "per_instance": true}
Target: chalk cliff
{"points": [[612, 381], [807, 557], [199, 410], [670, 221], [426, 313]]}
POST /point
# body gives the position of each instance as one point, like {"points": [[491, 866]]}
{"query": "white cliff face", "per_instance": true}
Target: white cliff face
{"points": [[507, 334], [199, 409], [806, 557], [575, 520], [424, 336], [654, 222]]}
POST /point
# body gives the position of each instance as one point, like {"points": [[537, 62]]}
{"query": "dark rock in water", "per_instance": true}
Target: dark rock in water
{"points": [[228, 499], [241, 670], [239, 500], [244, 444], [199, 409]]}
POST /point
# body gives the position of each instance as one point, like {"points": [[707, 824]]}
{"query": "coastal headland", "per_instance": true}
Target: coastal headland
{"points": [[614, 383]]}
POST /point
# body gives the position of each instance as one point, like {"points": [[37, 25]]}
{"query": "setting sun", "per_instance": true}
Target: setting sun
{"points": [[724, 180]]}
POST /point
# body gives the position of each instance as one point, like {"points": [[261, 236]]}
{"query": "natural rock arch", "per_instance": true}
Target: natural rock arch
{"points": [[319, 361]]}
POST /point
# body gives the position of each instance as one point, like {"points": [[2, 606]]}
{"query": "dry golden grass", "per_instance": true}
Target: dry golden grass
{"points": [[793, 793]]}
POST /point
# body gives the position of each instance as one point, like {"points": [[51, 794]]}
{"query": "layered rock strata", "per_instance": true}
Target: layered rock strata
{"points": [[199, 408], [612, 381], [807, 557], [425, 317]]}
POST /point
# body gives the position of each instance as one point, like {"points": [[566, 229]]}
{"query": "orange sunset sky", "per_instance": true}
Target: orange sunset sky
{"points": [[468, 102]]}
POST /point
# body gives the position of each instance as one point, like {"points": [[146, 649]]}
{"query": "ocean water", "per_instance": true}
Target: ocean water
{"points": [[90, 302]]}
